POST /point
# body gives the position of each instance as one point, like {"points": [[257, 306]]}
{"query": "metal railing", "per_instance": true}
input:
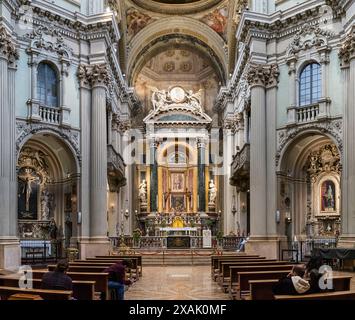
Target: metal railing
{"points": [[37, 251], [296, 251]]}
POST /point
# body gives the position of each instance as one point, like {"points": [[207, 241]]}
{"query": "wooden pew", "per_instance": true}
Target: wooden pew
{"points": [[262, 289], [337, 295], [219, 265], [82, 290], [245, 277], [133, 256], [233, 284], [6, 292], [216, 258], [101, 279], [135, 268], [223, 275]]}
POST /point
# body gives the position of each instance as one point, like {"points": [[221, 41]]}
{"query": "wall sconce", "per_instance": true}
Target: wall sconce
{"points": [[288, 217], [277, 216], [243, 207], [126, 214]]}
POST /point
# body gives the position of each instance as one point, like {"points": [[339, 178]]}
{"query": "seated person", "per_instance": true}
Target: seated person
{"points": [[117, 277], [312, 274], [293, 283], [58, 279]]}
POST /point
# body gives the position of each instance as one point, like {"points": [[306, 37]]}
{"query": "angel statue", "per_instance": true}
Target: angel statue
{"points": [[194, 99], [159, 98]]}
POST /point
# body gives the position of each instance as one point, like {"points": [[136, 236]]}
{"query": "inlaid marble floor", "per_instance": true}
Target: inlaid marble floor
{"points": [[175, 283]]}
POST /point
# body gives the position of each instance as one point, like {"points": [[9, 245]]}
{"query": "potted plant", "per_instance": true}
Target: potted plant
{"points": [[137, 233]]}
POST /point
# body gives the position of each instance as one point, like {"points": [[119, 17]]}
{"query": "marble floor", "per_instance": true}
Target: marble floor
{"points": [[175, 283]]}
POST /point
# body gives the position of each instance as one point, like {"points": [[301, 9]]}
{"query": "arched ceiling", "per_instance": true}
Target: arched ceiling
{"points": [[176, 6]]}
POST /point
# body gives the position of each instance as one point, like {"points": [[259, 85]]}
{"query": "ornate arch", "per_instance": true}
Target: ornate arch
{"points": [[179, 27], [332, 129], [70, 138]]}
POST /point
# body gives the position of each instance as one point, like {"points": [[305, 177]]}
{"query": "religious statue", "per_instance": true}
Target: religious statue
{"points": [[143, 191], [159, 99], [212, 192], [194, 99], [28, 178], [45, 197], [53, 229]]}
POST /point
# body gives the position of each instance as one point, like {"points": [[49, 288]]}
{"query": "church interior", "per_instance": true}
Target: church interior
{"points": [[205, 148]]}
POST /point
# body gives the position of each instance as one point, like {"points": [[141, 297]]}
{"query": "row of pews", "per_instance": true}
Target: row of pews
{"points": [[89, 280], [251, 277]]}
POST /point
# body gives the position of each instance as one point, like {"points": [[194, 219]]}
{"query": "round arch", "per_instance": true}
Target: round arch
{"points": [[178, 27], [181, 144]]}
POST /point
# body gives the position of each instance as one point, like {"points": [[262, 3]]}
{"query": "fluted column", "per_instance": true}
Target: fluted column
{"points": [[98, 167], [9, 246], [228, 218], [85, 116], [258, 187], [201, 164], [259, 77], [153, 177], [271, 180], [347, 56]]}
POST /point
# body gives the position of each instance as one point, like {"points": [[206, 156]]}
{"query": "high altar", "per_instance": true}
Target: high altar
{"points": [[177, 183]]}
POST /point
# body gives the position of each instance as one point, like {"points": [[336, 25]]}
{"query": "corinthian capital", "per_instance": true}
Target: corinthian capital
{"points": [[347, 50], [94, 75], [264, 75], [7, 47]]}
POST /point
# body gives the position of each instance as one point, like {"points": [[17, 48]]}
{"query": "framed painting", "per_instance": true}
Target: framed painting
{"points": [[177, 203], [177, 182]]}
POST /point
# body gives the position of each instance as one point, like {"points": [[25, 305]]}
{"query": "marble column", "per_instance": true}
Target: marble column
{"points": [[98, 167], [65, 103], [85, 121], [201, 164], [260, 76], [347, 56], [271, 179], [153, 176], [246, 126], [9, 245], [97, 78], [228, 218]]}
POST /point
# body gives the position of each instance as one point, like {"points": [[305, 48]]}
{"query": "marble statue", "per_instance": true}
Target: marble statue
{"points": [[212, 192], [143, 191]]}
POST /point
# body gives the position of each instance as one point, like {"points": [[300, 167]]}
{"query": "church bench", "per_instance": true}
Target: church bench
{"points": [[216, 258], [262, 289], [337, 295], [217, 270], [223, 273], [101, 279], [134, 256], [243, 287], [233, 284], [6, 292], [136, 261], [131, 271], [82, 290]]}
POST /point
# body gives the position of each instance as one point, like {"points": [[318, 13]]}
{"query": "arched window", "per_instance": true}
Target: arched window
{"points": [[310, 84], [47, 85]]}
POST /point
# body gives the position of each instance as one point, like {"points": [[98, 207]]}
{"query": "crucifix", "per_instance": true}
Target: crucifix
{"points": [[28, 178]]}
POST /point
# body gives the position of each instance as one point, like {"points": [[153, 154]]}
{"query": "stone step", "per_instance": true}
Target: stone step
{"points": [[175, 260]]}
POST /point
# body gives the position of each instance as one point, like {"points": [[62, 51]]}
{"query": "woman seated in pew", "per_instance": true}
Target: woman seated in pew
{"points": [[58, 279], [293, 283], [303, 279], [117, 278]]}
